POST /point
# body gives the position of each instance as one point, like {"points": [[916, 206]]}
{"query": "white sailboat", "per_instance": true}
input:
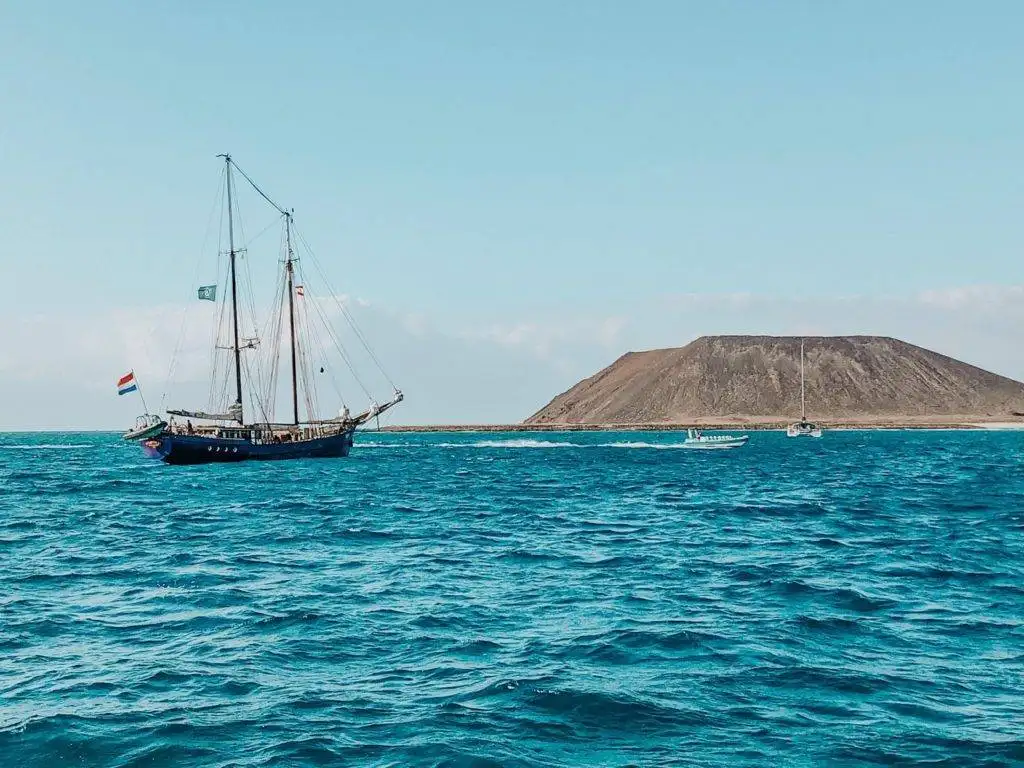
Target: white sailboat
{"points": [[803, 428]]}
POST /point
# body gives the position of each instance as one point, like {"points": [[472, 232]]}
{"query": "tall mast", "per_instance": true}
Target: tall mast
{"points": [[290, 271], [803, 410], [234, 295]]}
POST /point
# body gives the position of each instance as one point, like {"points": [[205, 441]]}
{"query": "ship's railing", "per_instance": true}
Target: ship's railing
{"points": [[265, 433]]}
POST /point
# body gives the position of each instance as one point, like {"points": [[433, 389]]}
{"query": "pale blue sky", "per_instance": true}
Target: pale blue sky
{"points": [[483, 165]]}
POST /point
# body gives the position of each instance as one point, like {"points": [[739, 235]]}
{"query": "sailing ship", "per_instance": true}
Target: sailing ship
{"points": [[803, 428], [227, 435]]}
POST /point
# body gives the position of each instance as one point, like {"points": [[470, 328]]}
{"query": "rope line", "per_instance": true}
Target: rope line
{"points": [[262, 373], [218, 202], [345, 313], [260, 191]]}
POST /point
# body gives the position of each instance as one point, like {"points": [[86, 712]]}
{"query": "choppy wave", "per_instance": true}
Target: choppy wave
{"points": [[572, 599]]}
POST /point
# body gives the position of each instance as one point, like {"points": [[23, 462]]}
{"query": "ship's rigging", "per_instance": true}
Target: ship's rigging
{"points": [[246, 385]]}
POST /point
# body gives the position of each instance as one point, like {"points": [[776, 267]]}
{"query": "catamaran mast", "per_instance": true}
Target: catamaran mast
{"points": [[290, 270], [803, 410], [234, 295]]}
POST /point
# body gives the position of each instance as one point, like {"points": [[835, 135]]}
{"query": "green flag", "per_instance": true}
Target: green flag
{"points": [[208, 292]]}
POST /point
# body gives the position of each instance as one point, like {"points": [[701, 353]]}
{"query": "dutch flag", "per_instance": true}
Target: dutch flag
{"points": [[126, 384]]}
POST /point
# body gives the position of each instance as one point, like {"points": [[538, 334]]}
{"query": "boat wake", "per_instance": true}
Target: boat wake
{"points": [[527, 443], [47, 447], [516, 443], [644, 445]]}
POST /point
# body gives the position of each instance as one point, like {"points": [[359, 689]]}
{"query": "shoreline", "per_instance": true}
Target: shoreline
{"points": [[752, 426]]}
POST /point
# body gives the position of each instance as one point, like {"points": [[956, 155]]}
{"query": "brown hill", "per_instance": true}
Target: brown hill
{"points": [[757, 379]]}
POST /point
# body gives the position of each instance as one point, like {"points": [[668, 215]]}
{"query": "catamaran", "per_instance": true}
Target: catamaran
{"points": [[225, 434], [803, 428]]}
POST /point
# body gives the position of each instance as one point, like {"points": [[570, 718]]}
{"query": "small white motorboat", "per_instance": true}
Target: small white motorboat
{"points": [[146, 426], [697, 440]]}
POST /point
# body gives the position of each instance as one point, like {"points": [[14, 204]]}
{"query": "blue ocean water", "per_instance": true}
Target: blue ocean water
{"points": [[516, 600]]}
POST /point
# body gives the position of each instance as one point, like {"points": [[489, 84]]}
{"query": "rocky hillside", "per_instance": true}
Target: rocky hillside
{"points": [[757, 378]]}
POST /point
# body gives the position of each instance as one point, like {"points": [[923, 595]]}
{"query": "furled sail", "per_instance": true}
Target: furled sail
{"points": [[234, 414]]}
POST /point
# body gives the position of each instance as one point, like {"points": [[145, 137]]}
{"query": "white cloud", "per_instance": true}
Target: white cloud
{"points": [[416, 324], [978, 298], [544, 336], [710, 300], [58, 369], [610, 330]]}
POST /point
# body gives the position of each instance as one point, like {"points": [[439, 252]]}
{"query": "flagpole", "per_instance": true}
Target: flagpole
{"points": [[138, 389]]}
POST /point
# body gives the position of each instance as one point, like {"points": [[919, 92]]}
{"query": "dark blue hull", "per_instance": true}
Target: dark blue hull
{"points": [[201, 449]]}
